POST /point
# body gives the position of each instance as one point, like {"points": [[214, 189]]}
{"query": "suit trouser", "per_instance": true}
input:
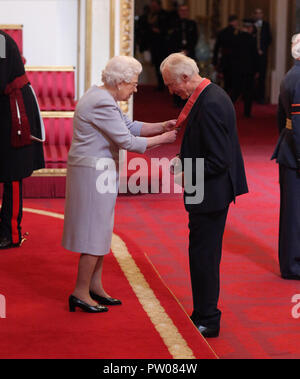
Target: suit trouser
{"points": [[244, 85], [205, 250], [261, 85], [11, 211], [228, 80], [289, 224]]}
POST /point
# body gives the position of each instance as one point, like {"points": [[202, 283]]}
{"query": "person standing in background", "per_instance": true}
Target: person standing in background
{"points": [[141, 30], [263, 40], [183, 33], [224, 52], [183, 38], [287, 155], [158, 21], [245, 67]]}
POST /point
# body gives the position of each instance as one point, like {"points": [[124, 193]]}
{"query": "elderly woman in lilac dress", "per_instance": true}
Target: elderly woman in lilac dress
{"points": [[101, 129]]}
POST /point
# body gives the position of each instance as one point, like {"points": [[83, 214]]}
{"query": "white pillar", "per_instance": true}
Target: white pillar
{"points": [[101, 38], [106, 30], [81, 49], [281, 50]]}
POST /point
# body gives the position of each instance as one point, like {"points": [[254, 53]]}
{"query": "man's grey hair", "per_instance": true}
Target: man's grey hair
{"points": [[296, 46], [179, 64], [120, 69]]}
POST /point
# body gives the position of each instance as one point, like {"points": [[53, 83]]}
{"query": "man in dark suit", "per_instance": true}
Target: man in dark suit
{"points": [[183, 33], [224, 52], [287, 154], [157, 29], [183, 37], [210, 134], [263, 40], [20, 153], [245, 66]]}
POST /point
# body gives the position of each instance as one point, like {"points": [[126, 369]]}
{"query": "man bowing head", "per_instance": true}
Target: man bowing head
{"points": [[210, 135]]}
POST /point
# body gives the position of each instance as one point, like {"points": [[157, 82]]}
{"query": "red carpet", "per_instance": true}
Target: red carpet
{"points": [[36, 281], [256, 303]]}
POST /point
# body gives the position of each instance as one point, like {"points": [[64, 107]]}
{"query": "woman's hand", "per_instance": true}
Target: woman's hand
{"points": [[169, 125], [169, 137]]}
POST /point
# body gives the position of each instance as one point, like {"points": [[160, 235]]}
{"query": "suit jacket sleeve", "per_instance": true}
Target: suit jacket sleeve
{"points": [[296, 122], [133, 126], [108, 118], [216, 140], [281, 116]]}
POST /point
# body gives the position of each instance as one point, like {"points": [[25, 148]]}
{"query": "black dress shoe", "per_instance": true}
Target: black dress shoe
{"points": [[105, 300], [75, 302], [208, 332], [5, 243]]}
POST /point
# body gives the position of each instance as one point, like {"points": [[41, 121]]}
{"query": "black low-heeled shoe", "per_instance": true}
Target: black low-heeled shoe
{"points": [[105, 300], [74, 302]]}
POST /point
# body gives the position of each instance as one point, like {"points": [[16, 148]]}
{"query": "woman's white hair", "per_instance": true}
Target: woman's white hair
{"points": [[179, 64], [120, 69], [296, 46]]}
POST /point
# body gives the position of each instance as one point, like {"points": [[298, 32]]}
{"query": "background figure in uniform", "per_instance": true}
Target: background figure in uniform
{"points": [[210, 134], [245, 66], [19, 154], [183, 38], [157, 37], [183, 33], [225, 46], [263, 40], [287, 154]]}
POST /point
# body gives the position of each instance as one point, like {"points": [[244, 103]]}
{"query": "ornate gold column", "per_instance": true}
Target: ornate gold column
{"points": [[126, 27], [112, 27], [126, 35]]}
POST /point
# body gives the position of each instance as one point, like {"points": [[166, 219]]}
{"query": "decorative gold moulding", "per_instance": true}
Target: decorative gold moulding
{"points": [[11, 26], [124, 106], [54, 172], [57, 114], [49, 68], [126, 36]]}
